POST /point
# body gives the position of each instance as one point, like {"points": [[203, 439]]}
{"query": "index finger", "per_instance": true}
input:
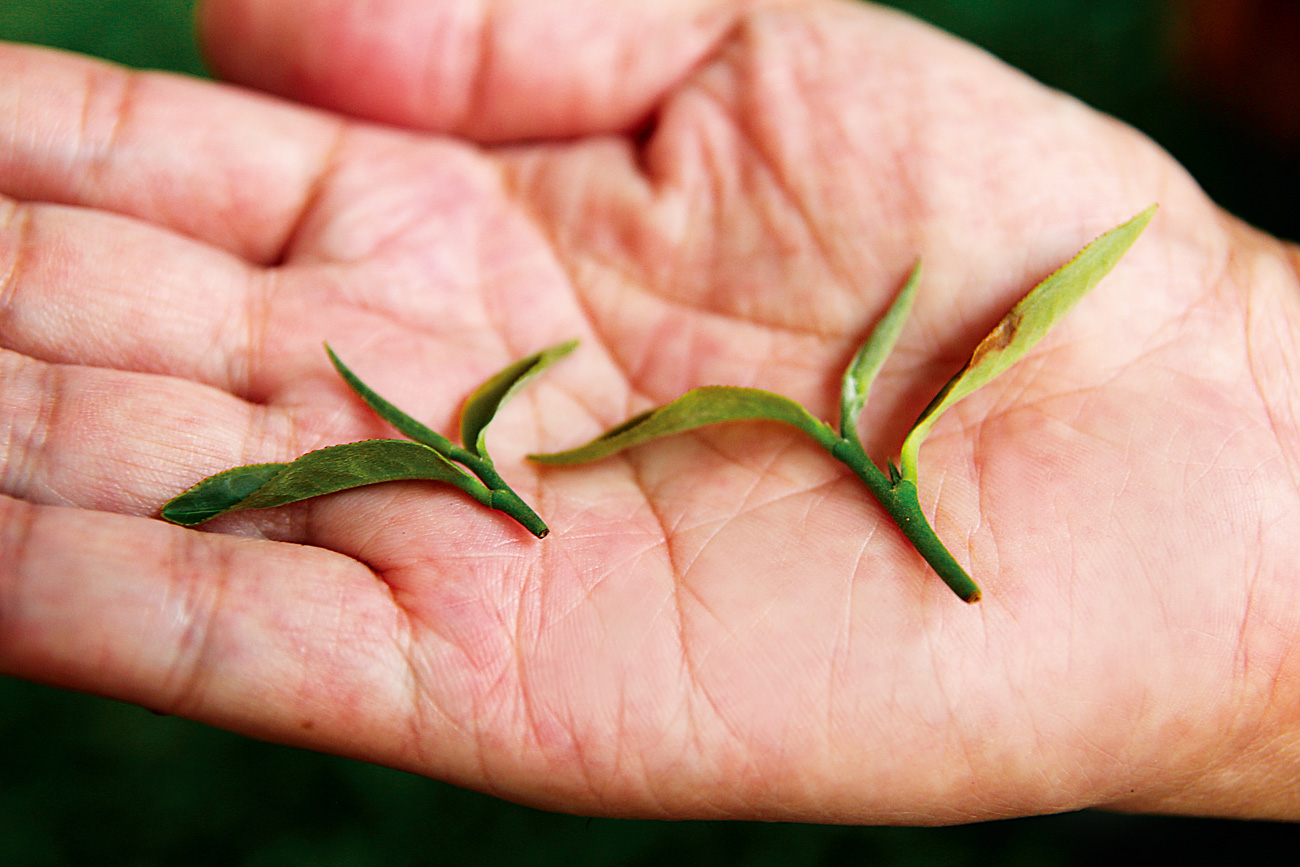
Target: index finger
{"points": [[227, 167]]}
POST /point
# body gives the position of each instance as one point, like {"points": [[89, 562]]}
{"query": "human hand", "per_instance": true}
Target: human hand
{"points": [[720, 625]]}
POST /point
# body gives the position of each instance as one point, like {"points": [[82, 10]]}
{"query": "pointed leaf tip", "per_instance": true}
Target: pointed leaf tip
{"points": [[482, 406], [417, 431], [1026, 323], [218, 493], [870, 358]]}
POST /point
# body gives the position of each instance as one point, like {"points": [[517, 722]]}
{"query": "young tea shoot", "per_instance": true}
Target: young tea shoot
{"points": [[1009, 340], [427, 455]]}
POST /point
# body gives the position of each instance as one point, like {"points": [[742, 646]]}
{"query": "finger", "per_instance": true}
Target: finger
{"points": [[82, 287], [122, 442], [492, 71], [226, 167], [285, 642]]}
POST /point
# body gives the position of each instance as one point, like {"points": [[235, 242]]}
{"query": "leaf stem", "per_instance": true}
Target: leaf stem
{"points": [[899, 498]]}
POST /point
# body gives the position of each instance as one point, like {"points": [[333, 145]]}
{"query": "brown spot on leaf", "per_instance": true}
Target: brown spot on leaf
{"points": [[999, 338]]}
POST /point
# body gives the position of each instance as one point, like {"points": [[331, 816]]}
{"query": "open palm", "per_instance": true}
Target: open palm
{"points": [[720, 624]]}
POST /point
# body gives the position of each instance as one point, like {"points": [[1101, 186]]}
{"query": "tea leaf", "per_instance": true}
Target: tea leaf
{"points": [[218, 493], [391, 414], [481, 406], [697, 408], [1025, 325], [338, 468], [324, 471], [861, 372]]}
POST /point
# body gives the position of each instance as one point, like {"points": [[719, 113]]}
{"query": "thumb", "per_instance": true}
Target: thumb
{"points": [[492, 71]]}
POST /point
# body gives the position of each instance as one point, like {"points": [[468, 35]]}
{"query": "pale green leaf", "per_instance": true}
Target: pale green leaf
{"points": [[1025, 325], [481, 406], [699, 407], [861, 372]]}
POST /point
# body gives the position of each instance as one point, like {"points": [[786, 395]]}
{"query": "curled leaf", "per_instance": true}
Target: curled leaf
{"points": [[862, 370], [324, 471], [1025, 325], [697, 408], [481, 406], [218, 493]]}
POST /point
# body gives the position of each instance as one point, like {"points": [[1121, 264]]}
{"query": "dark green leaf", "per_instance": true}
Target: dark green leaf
{"points": [[325, 471], [218, 493], [391, 414], [481, 406], [697, 408]]}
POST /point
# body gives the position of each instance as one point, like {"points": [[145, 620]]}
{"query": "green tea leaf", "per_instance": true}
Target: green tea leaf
{"points": [[697, 408], [1025, 325], [481, 406], [862, 371], [391, 414], [218, 493], [324, 471]]}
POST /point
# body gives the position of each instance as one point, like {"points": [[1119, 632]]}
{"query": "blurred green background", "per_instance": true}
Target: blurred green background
{"points": [[90, 781]]}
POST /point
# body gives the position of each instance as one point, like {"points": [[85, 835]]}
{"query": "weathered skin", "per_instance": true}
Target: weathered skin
{"points": [[704, 192]]}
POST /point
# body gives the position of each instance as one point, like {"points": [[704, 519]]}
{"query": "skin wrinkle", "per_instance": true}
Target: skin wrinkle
{"points": [[250, 365], [183, 687], [841, 655], [10, 280], [18, 520], [594, 321], [1257, 370], [758, 476], [488, 710], [52, 387], [838, 269], [605, 343], [424, 700], [681, 589], [99, 146], [312, 195], [492, 313], [52, 250], [1277, 700], [127, 82], [531, 602], [10, 481], [746, 509], [480, 69], [586, 766], [731, 725], [718, 195]]}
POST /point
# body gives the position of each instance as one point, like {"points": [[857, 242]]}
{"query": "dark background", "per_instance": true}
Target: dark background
{"points": [[90, 781]]}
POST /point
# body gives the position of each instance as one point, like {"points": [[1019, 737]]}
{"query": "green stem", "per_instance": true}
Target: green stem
{"points": [[905, 508], [899, 498], [506, 500], [503, 499]]}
